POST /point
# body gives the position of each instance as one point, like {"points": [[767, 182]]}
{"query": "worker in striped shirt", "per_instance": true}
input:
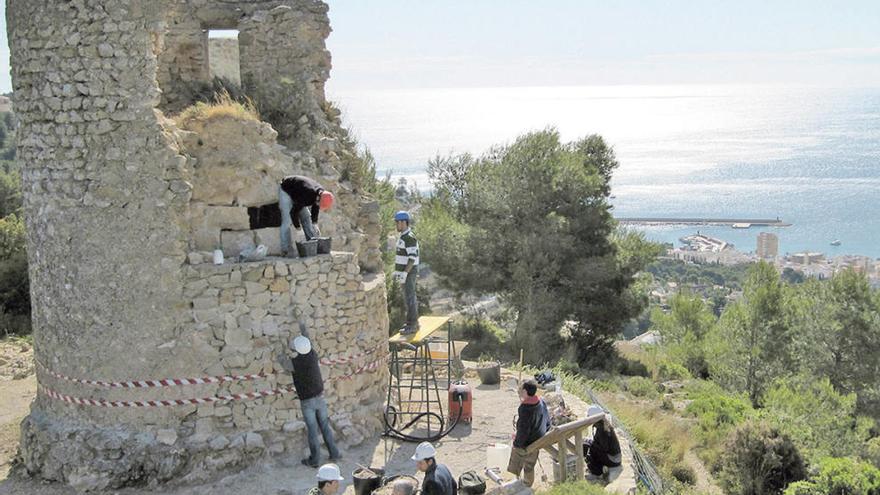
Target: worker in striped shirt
{"points": [[406, 269]]}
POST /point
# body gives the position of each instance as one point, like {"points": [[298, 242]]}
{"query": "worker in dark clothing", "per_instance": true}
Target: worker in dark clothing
{"points": [[309, 387], [438, 480], [603, 450], [300, 199], [532, 423]]}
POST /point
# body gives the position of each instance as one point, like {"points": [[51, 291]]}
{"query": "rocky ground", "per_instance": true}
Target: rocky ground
{"points": [[463, 450], [17, 388]]}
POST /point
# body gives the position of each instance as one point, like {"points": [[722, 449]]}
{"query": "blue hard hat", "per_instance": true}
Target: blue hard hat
{"points": [[402, 215]]}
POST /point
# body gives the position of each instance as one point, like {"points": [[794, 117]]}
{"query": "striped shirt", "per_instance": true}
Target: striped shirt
{"points": [[407, 249]]}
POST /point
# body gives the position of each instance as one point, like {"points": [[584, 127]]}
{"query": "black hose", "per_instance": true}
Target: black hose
{"points": [[391, 431]]}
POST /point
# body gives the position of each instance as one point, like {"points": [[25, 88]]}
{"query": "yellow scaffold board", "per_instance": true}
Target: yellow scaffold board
{"points": [[427, 326]]}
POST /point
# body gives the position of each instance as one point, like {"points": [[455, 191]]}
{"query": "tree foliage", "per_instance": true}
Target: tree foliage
{"points": [[684, 329], [531, 221], [843, 476], [759, 460], [752, 344]]}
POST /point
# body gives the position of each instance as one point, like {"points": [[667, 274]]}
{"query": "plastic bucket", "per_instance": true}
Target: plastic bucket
{"points": [[364, 482], [490, 375], [307, 248], [497, 456], [324, 245]]}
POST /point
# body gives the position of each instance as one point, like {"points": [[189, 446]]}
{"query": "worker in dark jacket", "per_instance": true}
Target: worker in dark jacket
{"points": [[309, 387], [438, 480], [300, 199], [604, 448], [532, 423]]}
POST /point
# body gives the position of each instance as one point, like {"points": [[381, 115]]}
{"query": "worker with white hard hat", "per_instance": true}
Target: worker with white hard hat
{"points": [[328, 480], [309, 387], [438, 480]]}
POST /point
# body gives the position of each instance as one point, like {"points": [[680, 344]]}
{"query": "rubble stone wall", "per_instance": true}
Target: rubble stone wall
{"points": [[115, 202]]}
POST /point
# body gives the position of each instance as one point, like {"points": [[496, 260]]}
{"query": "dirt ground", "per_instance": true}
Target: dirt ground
{"points": [[463, 450]]}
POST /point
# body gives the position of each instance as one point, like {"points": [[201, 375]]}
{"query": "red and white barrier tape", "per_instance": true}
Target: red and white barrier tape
{"points": [[176, 382], [165, 382], [368, 367], [164, 402]]}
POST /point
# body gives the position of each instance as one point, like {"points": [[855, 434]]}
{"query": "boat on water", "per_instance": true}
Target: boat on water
{"points": [[835, 242]]}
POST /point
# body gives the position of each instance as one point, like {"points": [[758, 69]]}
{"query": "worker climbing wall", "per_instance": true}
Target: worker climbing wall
{"points": [[153, 364]]}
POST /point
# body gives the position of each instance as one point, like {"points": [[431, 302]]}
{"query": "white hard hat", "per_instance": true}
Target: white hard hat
{"points": [[302, 345], [594, 409], [424, 451], [329, 472]]}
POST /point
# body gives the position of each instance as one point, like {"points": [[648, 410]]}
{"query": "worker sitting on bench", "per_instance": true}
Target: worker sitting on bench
{"points": [[328, 480], [532, 423], [438, 480], [603, 450]]}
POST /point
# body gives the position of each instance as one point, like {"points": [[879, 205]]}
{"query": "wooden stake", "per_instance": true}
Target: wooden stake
{"points": [[520, 365]]}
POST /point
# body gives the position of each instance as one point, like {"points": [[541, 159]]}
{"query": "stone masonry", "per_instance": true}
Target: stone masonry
{"points": [[123, 207]]}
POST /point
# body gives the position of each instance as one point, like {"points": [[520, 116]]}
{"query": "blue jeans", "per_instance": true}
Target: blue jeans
{"points": [[409, 298], [315, 414], [285, 204]]}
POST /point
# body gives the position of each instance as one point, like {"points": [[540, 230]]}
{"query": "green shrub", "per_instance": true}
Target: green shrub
{"points": [[717, 412], [667, 404], [630, 367], [759, 460], [485, 337], [574, 488], [566, 366], [872, 451], [840, 476], [821, 421], [684, 474], [642, 387], [668, 370]]}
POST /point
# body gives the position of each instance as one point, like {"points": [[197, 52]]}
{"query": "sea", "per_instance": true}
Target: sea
{"points": [[810, 156]]}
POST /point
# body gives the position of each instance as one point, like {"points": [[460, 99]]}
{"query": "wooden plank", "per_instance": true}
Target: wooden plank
{"points": [[555, 435], [579, 465], [563, 466], [427, 326]]}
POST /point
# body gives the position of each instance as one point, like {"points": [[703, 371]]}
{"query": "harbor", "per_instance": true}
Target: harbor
{"points": [[737, 223]]}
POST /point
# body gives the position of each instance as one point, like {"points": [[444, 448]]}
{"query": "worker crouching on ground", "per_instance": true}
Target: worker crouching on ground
{"points": [[309, 387], [438, 480], [300, 199], [603, 450], [532, 423], [328, 480], [406, 269]]}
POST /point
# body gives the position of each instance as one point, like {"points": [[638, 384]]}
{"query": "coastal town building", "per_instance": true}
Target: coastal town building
{"points": [[768, 245]]}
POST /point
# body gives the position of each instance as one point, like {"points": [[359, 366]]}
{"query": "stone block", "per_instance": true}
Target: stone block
{"points": [[234, 242], [226, 217], [271, 238], [167, 436]]}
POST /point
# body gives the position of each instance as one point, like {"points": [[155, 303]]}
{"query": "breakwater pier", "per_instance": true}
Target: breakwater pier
{"points": [[742, 223]]}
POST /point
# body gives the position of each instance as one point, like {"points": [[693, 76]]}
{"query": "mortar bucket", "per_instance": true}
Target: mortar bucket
{"points": [[307, 248], [365, 482], [324, 244]]}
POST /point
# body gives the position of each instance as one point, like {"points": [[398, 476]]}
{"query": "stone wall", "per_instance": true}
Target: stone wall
{"points": [[117, 202], [223, 59]]}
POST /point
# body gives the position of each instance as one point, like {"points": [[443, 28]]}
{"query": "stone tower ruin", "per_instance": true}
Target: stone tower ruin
{"points": [[123, 207]]}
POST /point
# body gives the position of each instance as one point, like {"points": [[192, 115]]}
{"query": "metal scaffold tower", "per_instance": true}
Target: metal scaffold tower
{"points": [[421, 374]]}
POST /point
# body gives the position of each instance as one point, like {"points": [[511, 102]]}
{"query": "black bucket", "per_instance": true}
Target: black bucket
{"points": [[307, 248], [365, 484], [324, 244]]}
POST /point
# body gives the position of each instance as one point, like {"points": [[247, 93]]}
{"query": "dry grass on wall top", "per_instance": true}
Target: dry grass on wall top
{"points": [[223, 106]]}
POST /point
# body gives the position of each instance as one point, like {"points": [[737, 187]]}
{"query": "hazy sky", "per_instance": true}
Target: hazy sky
{"points": [[454, 43]]}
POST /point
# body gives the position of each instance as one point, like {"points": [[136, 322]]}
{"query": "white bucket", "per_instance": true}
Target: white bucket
{"points": [[497, 456]]}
